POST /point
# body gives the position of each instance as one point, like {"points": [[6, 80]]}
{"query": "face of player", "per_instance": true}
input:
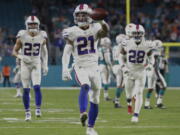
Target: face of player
{"points": [[82, 20], [82, 17], [138, 36], [33, 28]]}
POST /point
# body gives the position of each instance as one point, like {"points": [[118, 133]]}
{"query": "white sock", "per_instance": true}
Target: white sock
{"points": [[159, 100], [18, 90], [106, 94], [147, 102], [130, 103], [116, 100], [138, 103]]}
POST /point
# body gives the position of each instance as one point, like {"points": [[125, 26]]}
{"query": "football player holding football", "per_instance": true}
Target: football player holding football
{"points": [[81, 42]]}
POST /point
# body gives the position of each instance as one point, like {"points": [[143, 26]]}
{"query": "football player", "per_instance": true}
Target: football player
{"points": [[105, 64], [81, 42], [154, 75], [128, 31], [17, 78], [32, 43], [161, 82], [134, 55], [117, 69]]}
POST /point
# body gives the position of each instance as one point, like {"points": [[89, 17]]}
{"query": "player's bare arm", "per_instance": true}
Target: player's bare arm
{"points": [[122, 57], [45, 52], [17, 47], [44, 55], [105, 29]]}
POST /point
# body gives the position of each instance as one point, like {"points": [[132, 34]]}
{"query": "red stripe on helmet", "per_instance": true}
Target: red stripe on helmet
{"points": [[137, 27], [32, 18], [81, 6]]}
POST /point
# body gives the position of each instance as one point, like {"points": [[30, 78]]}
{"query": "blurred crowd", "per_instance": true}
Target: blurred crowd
{"points": [[161, 20]]}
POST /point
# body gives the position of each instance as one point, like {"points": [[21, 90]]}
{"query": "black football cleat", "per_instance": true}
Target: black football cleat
{"points": [[148, 107], [83, 119], [117, 106], [161, 106], [107, 99]]}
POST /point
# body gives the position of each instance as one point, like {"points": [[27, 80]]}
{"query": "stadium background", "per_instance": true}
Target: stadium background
{"points": [[161, 20]]}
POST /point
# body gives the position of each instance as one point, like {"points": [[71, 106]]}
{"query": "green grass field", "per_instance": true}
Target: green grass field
{"points": [[61, 116]]}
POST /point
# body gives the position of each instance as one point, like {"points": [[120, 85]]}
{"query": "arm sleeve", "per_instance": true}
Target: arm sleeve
{"points": [[44, 55], [66, 56]]}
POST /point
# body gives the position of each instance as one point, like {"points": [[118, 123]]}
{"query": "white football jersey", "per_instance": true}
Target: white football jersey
{"points": [[31, 46], [85, 43], [136, 55]]}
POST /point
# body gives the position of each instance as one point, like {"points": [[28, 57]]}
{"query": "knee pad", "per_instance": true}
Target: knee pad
{"points": [[94, 96]]}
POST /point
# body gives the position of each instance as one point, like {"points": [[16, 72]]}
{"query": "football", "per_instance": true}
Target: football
{"points": [[99, 14]]}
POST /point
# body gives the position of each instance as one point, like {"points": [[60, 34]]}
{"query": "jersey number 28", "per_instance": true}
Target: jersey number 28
{"points": [[136, 56]]}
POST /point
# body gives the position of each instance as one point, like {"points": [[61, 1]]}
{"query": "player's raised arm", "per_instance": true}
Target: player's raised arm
{"points": [[99, 14], [16, 48], [104, 29]]}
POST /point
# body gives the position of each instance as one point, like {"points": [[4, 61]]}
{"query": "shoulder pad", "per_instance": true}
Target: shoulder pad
{"points": [[68, 33], [44, 33], [20, 33]]}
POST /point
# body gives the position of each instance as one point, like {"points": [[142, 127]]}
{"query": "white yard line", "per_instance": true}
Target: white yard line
{"points": [[52, 110], [97, 127], [72, 88]]}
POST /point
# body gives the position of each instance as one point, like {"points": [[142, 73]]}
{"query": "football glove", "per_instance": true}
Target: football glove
{"points": [[149, 67], [125, 70], [26, 60], [45, 70], [66, 75]]}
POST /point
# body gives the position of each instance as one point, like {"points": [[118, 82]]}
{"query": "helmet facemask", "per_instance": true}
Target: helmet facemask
{"points": [[33, 27], [138, 36]]}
